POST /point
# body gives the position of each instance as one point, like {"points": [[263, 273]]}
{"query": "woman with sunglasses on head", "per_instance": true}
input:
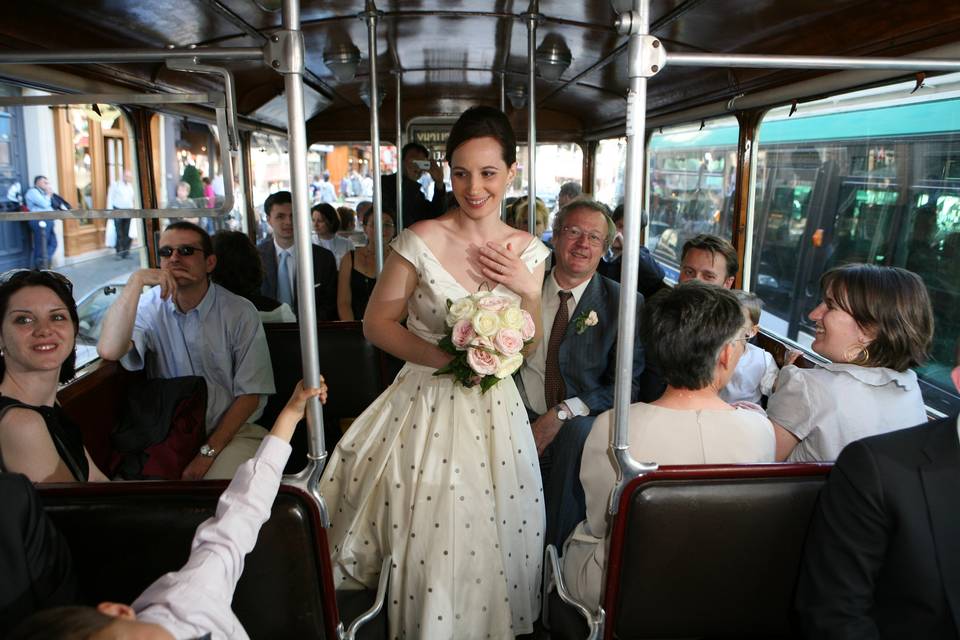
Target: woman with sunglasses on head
{"points": [[38, 331], [873, 324]]}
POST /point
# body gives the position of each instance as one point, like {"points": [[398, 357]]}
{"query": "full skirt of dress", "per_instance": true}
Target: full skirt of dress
{"points": [[446, 480]]}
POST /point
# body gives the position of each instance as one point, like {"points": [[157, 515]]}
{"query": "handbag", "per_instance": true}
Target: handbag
{"points": [[161, 428]]}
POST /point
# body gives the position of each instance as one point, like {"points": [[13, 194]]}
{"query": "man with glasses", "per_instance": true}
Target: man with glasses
{"points": [[279, 256], [569, 379], [188, 326]]}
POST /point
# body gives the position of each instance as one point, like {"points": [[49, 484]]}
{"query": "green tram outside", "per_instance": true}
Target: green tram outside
{"points": [[873, 184]]}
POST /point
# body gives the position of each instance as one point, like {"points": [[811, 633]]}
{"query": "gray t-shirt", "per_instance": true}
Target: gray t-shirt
{"points": [[832, 405]]}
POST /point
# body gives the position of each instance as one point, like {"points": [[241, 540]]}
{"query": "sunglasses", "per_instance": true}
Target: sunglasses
{"points": [[183, 251], [59, 278]]}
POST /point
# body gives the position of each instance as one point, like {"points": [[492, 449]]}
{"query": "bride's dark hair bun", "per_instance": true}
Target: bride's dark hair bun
{"points": [[484, 122]]}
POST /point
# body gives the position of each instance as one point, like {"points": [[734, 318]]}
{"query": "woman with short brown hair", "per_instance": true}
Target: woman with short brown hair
{"points": [[873, 324]]}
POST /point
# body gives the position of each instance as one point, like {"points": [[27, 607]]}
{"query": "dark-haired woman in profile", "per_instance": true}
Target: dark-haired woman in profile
{"points": [[38, 333], [443, 478], [239, 270], [874, 324]]}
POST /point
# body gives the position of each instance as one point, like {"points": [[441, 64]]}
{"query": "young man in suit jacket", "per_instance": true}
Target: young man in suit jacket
{"points": [[279, 209], [569, 379], [882, 558]]}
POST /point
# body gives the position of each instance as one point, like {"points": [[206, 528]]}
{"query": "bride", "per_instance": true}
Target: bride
{"points": [[442, 477]]}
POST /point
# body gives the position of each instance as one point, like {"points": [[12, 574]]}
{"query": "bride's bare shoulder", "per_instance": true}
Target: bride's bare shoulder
{"points": [[520, 240], [433, 229]]}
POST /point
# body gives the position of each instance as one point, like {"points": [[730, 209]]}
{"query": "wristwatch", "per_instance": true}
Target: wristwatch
{"points": [[563, 412], [208, 452]]}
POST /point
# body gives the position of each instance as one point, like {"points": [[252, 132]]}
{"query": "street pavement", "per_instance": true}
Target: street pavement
{"points": [[96, 272]]}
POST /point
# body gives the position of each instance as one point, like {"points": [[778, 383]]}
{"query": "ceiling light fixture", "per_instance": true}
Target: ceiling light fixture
{"points": [[553, 58], [365, 94], [518, 96], [342, 59]]}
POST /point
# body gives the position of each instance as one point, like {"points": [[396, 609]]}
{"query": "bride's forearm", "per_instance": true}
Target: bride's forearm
{"points": [[396, 340], [531, 304]]}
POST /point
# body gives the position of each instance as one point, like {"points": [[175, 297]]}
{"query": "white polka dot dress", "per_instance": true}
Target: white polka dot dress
{"points": [[446, 480]]}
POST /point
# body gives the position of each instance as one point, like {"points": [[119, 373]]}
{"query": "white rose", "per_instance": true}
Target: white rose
{"points": [[486, 323], [512, 318], [462, 308], [509, 365], [592, 319], [480, 295]]}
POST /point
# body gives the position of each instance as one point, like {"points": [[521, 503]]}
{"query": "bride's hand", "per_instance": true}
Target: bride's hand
{"points": [[501, 266]]}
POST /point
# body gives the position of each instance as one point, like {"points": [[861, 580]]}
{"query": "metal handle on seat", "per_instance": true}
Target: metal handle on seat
{"points": [[552, 577], [372, 612]]}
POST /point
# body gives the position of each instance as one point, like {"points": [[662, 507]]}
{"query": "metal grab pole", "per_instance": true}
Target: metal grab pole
{"points": [[532, 18], [290, 62], [638, 23], [753, 61], [398, 214], [503, 107], [371, 15]]}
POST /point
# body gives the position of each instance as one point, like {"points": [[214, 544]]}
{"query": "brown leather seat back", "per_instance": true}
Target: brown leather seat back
{"points": [[353, 368], [126, 535], [710, 551]]}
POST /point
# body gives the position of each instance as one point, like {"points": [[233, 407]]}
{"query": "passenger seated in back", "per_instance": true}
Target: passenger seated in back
{"points": [[874, 324], [38, 332], [697, 333], [757, 371], [194, 602], [239, 270]]}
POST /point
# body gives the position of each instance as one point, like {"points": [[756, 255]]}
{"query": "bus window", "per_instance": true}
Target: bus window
{"points": [[189, 151], [557, 164], [690, 183], [610, 164], [71, 158], [861, 178]]}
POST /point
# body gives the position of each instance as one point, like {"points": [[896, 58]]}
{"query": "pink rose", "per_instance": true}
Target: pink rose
{"points": [[462, 334], [482, 342], [529, 328], [483, 362], [508, 341], [493, 303]]}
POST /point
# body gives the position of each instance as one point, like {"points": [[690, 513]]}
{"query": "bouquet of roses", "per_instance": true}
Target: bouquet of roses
{"points": [[485, 335]]}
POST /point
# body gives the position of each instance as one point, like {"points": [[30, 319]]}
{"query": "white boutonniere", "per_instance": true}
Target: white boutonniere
{"points": [[586, 319]]}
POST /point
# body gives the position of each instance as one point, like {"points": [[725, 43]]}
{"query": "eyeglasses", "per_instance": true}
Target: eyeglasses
{"points": [[575, 233], [183, 251], [7, 276]]}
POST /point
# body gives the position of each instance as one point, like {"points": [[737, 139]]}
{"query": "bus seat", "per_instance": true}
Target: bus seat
{"points": [[779, 349], [704, 551], [355, 371], [94, 402], [125, 535]]}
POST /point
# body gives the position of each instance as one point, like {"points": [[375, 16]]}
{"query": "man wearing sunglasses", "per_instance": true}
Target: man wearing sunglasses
{"points": [[190, 326]]}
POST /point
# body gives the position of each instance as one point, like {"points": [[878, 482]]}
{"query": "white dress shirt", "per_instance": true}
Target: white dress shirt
{"points": [[121, 196], [291, 264], [534, 368], [195, 600]]}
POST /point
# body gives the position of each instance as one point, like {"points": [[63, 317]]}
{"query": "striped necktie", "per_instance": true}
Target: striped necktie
{"points": [[554, 390]]}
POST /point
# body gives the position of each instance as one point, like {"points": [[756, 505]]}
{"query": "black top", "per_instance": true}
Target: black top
{"points": [[361, 287], [64, 433]]}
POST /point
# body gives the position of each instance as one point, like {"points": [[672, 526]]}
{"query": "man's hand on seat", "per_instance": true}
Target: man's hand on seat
{"points": [[197, 468]]}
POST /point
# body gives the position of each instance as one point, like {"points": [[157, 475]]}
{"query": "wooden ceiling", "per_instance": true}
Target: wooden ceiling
{"points": [[451, 52]]}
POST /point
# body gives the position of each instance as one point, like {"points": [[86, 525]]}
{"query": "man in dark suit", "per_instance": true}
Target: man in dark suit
{"points": [[279, 256], [882, 558], [35, 563], [569, 379], [415, 160]]}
